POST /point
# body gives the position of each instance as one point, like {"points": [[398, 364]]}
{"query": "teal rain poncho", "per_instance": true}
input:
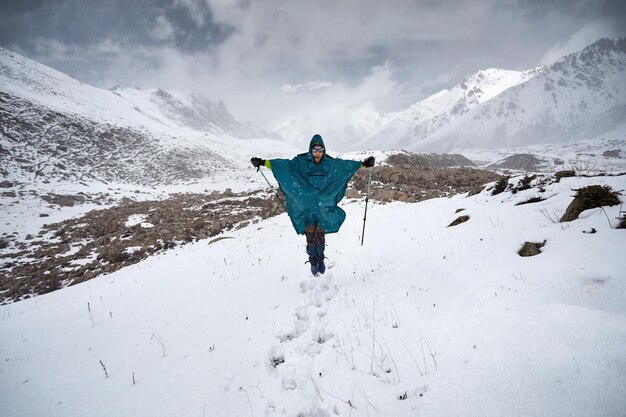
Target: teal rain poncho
{"points": [[312, 191]]}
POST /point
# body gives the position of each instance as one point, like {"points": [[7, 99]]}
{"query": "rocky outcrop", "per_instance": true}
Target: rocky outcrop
{"points": [[531, 248], [520, 162], [409, 183], [429, 160]]}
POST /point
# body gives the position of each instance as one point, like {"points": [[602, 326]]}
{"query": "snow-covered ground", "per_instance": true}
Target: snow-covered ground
{"points": [[21, 215], [585, 157], [421, 320]]}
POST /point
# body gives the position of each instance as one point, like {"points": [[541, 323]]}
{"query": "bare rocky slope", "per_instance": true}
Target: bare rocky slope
{"points": [[38, 143], [56, 128]]}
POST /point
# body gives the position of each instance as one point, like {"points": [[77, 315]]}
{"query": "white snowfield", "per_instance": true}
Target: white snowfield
{"points": [[423, 320]]}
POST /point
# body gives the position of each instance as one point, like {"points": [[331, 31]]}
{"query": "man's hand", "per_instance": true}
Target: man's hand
{"points": [[369, 162], [257, 162]]}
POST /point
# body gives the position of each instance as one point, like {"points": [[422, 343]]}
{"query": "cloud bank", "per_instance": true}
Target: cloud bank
{"points": [[267, 59]]}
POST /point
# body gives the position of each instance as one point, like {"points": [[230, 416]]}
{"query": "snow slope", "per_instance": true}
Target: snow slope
{"points": [[55, 128], [421, 320]]}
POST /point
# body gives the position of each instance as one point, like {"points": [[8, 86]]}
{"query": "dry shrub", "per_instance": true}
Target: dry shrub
{"points": [[590, 197]]}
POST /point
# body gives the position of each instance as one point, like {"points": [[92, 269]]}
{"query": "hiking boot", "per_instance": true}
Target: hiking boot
{"points": [[314, 269], [320, 265]]}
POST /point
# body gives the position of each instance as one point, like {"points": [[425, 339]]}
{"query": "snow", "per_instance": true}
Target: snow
{"points": [[421, 320], [138, 219], [21, 215], [584, 157], [457, 322], [150, 110], [580, 96]]}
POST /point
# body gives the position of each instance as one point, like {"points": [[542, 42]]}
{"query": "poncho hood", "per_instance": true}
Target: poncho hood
{"points": [[317, 140]]}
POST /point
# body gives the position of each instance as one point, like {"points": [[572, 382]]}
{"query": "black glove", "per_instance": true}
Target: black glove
{"points": [[369, 162], [257, 162]]}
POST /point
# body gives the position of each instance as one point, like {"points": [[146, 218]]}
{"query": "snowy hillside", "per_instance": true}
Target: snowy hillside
{"points": [[55, 128], [581, 96], [152, 110], [424, 319]]}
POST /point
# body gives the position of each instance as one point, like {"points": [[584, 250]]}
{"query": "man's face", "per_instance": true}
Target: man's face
{"points": [[317, 152]]}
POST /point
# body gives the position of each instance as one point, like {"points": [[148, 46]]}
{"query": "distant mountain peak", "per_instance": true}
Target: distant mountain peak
{"points": [[148, 109], [605, 46], [580, 95]]}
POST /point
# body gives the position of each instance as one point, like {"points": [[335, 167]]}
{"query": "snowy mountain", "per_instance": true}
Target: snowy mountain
{"points": [[425, 117], [581, 96], [56, 127]]}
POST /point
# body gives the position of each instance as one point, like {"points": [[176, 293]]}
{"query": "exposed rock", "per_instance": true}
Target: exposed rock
{"points": [[476, 190], [459, 220], [530, 201], [414, 183], [531, 248], [352, 193], [500, 186], [613, 153], [63, 200], [429, 160], [590, 197], [564, 174], [520, 162]]}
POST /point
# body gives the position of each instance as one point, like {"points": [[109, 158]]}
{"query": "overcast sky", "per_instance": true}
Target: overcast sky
{"points": [[269, 58]]}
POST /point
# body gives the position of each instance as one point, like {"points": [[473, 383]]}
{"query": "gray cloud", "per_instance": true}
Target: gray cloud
{"points": [[382, 55]]}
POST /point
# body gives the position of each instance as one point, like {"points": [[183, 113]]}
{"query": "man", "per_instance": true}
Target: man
{"points": [[313, 183]]}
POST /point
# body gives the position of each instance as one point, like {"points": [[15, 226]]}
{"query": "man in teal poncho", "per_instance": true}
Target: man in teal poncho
{"points": [[313, 183]]}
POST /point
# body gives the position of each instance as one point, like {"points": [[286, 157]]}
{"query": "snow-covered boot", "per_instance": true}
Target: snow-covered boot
{"points": [[314, 268], [320, 264]]}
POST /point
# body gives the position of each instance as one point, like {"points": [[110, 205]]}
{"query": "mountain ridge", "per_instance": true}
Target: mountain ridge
{"points": [[573, 99], [580, 96], [54, 127]]}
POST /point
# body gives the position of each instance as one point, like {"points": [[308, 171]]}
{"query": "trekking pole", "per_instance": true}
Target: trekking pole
{"points": [[268, 183], [367, 197]]}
